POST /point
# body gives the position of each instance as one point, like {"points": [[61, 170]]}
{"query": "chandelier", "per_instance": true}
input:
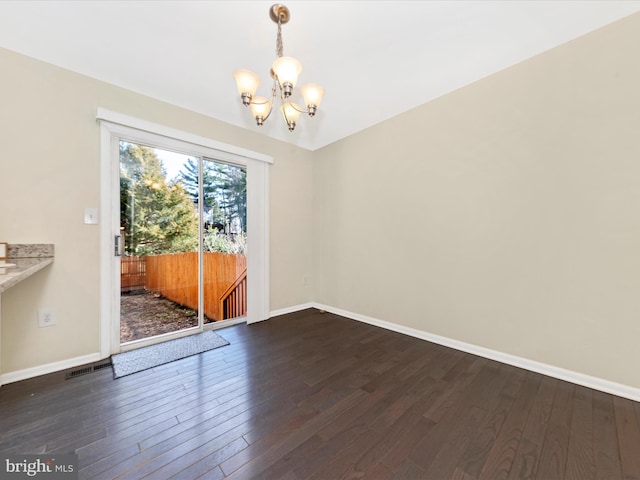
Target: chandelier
{"points": [[285, 72]]}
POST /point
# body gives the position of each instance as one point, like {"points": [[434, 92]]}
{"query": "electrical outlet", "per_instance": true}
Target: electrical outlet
{"points": [[46, 317]]}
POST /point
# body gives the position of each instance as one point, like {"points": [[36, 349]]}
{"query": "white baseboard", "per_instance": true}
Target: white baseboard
{"points": [[295, 308], [74, 362], [577, 378], [48, 368], [607, 386]]}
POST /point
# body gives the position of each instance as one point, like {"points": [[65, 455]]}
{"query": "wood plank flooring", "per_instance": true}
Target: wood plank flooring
{"points": [[317, 396]]}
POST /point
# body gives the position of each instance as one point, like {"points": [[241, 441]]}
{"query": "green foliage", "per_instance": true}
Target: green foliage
{"points": [[214, 241], [224, 191], [189, 178], [157, 217], [231, 187]]}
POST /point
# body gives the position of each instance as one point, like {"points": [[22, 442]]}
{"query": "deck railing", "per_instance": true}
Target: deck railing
{"points": [[233, 302]]}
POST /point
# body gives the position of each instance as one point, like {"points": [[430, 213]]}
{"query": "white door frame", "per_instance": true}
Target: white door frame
{"points": [[114, 126]]}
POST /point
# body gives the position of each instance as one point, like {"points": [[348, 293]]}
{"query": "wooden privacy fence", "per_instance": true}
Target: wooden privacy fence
{"points": [[175, 276], [132, 273]]}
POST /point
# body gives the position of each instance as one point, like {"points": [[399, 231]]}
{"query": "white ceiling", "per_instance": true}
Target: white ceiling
{"points": [[375, 59]]}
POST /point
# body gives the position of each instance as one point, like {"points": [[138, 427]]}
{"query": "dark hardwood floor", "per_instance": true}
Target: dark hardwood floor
{"points": [[311, 395]]}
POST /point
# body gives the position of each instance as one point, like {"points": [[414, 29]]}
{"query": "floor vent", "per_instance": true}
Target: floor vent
{"points": [[86, 370]]}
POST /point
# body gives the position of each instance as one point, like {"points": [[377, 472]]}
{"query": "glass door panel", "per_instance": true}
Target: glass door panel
{"points": [[159, 223], [224, 242]]}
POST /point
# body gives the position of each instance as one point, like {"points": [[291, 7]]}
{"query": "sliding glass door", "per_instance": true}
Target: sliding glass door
{"points": [[183, 226]]}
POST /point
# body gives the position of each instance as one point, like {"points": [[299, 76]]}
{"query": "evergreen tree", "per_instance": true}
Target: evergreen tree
{"points": [[231, 188], [224, 191], [157, 217]]}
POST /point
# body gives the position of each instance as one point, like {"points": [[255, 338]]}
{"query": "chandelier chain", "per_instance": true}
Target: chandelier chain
{"points": [[279, 39]]}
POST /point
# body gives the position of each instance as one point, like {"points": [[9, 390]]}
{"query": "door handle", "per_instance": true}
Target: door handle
{"points": [[117, 245]]}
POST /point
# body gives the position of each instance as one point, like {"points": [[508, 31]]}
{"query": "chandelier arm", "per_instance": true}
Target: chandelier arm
{"points": [[293, 105], [268, 115], [276, 85], [253, 102], [273, 99], [273, 91]]}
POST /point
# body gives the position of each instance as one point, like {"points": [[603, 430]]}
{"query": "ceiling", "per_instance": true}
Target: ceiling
{"points": [[376, 59]]}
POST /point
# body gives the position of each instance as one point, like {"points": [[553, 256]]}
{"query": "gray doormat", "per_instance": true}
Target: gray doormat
{"points": [[148, 357]]}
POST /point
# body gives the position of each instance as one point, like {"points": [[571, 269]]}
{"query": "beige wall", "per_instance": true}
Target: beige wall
{"points": [[505, 214], [49, 171]]}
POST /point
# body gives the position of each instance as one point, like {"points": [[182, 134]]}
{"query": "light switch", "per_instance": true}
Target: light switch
{"points": [[91, 216]]}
